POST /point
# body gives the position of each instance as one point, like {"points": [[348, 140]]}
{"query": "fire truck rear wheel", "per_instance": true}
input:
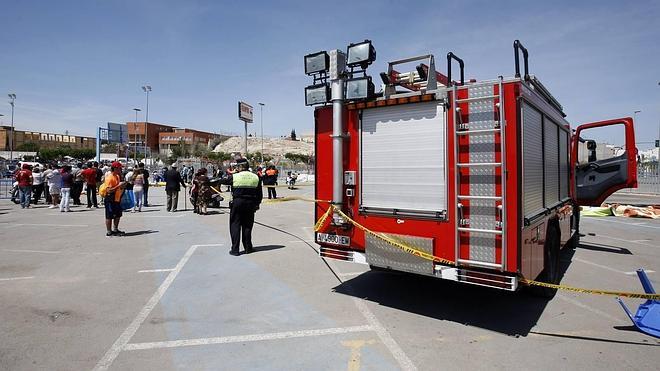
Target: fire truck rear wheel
{"points": [[550, 272]]}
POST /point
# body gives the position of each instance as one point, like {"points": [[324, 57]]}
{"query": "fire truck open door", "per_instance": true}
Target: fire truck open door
{"points": [[597, 176]]}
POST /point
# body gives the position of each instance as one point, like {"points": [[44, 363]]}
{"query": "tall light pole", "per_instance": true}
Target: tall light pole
{"points": [[146, 89], [657, 172], [135, 133], [12, 96], [261, 108]]}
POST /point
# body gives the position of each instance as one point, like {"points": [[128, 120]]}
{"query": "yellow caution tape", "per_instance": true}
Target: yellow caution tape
{"points": [[624, 294], [292, 198], [322, 219], [294, 186], [392, 241], [424, 255], [215, 190]]}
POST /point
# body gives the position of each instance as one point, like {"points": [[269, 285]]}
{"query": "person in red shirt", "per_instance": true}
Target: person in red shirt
{"points": [[24, 179], [89, 174]]}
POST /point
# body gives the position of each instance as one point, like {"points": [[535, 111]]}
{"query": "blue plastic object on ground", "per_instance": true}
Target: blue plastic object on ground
{"points": [[647, 318]]}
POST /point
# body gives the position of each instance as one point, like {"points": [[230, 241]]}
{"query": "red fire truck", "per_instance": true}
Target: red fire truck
{"points": [[485, 174]]}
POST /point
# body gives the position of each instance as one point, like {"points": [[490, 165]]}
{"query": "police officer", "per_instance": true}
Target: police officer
{"points": [[247, 195]]}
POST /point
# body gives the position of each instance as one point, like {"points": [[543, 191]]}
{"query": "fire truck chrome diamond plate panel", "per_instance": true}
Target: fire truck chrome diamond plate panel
{"points": [[482, 180], [382, 254]]}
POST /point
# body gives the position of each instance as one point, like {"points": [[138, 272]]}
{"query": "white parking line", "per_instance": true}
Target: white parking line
{"points": [[156, 270], [32, 251], [598, 265], [587, 307], [609, 220], [161, 216], [630, 273], [46, 225], [132, 328], [623, 240], [16, 278], [385, 337], [246, 338]]}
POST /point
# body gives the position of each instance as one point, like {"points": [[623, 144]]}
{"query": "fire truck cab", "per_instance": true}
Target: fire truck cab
{"points": [[485, 174]]}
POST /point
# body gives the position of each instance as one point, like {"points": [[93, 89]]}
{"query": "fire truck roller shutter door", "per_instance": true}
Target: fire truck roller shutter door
{"points": [[532, 126], [551, 159], [403, 158]]}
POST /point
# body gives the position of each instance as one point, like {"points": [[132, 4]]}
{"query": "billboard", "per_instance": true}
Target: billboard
{"points": [[244, 112], [117, 133]]}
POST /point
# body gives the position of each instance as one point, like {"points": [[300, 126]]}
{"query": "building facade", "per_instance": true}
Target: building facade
{"points": [[23, 138], [189, 137], [143, 135]]}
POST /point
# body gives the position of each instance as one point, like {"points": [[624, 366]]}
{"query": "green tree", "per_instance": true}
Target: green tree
{"points": [[180, 150], [200, 151], [28, 147], [255, 158], [297, 157], [109, 148]]}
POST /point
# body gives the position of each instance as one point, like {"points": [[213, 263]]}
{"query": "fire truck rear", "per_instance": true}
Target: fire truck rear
{"points": [[486, 176]]}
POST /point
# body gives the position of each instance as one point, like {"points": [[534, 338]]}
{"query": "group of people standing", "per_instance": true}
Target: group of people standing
{"points": [[59, 184]]}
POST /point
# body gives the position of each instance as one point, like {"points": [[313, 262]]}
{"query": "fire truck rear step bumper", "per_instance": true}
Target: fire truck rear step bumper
{"points": [[473, 277]]}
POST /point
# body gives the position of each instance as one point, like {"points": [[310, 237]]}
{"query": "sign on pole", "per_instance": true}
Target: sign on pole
{"points": [[117, 133], [244, 112], [245, 115]]}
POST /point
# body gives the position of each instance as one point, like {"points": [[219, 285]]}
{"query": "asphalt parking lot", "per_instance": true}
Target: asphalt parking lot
{"points": [[169, 297]]}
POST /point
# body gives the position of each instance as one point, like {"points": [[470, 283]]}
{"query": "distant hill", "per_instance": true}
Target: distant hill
{"points": [[275, 147]]}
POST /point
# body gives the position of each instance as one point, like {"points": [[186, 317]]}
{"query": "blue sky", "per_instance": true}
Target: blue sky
{"points": [[77, 64]]}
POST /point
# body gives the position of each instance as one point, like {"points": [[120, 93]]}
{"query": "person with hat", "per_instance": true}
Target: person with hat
{"points": [[173, 181], [246, 196], [114, 188]]}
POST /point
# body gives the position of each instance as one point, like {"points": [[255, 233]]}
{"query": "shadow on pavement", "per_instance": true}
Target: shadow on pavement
{"points": [[214, 212], [139, 233], [604, 248], [267, 247], [576, 337], [509, 313]]}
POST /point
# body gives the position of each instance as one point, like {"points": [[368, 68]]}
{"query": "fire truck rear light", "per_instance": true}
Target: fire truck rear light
{"points": [[317, 94], [317, 62], [346, 255]]}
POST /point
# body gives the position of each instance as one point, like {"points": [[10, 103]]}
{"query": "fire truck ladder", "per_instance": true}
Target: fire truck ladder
{"points": [[480, 202]]}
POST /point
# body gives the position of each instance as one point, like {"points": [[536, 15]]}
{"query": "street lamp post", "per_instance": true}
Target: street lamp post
{"points": [[146, 89], [135, 133], [657, 170], [261, 108], [12, 96]]}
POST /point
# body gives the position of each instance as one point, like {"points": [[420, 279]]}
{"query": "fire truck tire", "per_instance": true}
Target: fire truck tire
{"points": [[550, 273]]}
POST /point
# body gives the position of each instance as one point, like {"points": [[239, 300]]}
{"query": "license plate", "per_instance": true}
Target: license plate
{"points": [[333, 239]]}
